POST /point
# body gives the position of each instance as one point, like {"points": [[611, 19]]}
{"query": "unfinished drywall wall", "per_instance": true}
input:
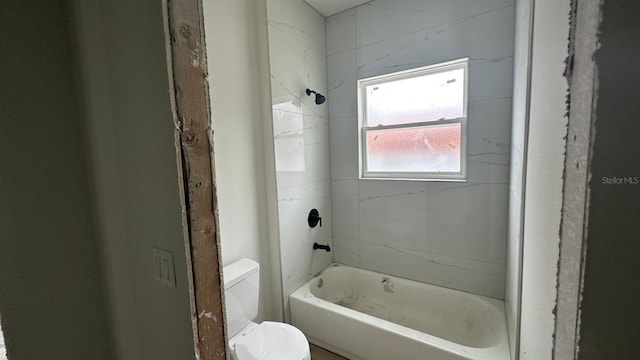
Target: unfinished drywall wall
{"points": [[239, 87], [130, 125], [581, 73], [544, 172], [51, 288], [610, 311]]}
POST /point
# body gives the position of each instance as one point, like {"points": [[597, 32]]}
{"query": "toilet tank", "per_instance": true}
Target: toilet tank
{"points": [[241, 289]]}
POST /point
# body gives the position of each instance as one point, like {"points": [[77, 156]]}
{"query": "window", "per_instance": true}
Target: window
{"points": [[413, 123]]}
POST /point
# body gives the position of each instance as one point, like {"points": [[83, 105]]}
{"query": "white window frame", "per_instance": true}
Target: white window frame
{"points": [[362, 138]]}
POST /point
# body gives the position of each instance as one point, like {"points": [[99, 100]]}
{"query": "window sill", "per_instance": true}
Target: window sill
{"points": [[413, 179]]}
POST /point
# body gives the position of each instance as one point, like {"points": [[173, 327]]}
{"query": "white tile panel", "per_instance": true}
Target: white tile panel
{"points": [[297, 52], [450, 234]]}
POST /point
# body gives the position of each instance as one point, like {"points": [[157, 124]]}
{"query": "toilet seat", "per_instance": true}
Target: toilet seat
{"points": [[272, 341]]}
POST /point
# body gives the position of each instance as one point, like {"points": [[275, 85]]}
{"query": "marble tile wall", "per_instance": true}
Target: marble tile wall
{"points": [[297, 52], [446, 233]]}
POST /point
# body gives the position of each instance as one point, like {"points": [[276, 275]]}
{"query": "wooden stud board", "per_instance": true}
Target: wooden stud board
{"points": [[184, 27]]}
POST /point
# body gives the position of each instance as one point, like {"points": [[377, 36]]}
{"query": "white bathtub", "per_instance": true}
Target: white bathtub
{"points": [[347, 310]]}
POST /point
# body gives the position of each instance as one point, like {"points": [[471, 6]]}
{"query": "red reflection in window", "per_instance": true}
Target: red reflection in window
{"points": [[417, 149]]}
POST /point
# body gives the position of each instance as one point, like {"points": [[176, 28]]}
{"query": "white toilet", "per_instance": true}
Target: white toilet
{"points": [[248, 340]]}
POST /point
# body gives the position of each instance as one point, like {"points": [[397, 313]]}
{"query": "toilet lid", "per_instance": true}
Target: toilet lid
{"points": [[273, 341]]}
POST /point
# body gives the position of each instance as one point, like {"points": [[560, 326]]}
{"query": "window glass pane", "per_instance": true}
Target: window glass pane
{"points": [[415, 149], [424, 98]]}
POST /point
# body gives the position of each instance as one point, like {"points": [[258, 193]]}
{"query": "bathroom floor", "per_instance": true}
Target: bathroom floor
{"points": [[318, 353]]}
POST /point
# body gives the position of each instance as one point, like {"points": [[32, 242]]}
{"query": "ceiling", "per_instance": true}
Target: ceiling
{"points": [[331, 7]]}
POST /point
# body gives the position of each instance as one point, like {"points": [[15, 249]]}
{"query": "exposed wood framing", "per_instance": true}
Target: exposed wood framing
{"points": [[187, 64]]}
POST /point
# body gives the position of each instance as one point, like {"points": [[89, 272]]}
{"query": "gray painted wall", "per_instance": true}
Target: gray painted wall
{"points": [[610, 309], [130, 124], [51, 288]]}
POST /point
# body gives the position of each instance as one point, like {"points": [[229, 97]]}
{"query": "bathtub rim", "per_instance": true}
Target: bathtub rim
{"points": [[304, 294]]}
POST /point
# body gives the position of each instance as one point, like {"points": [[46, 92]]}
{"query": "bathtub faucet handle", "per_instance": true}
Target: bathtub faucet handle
{"points": [[314, 218]]}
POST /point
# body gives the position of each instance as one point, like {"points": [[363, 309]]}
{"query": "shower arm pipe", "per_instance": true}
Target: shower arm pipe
{"points": [[320, 99]]}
